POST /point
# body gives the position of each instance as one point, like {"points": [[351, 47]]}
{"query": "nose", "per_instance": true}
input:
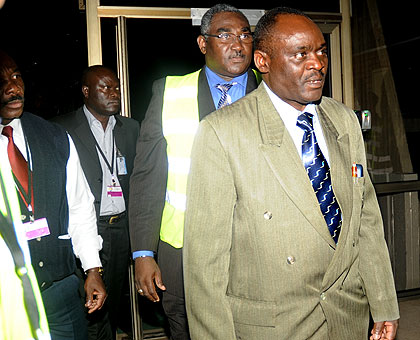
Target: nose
{"points": [[115, 93], [13, 87], [237, 43], [317, 62]]}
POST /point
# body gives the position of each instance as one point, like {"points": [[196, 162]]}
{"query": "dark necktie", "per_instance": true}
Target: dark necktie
{"points": [[224, 88], [17, 162], [319, 173]]}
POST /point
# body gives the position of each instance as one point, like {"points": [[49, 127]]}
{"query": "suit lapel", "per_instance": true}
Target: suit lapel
{"points": [[119, 135], [283, 159], [85, 135], [205, 99], [340, 166]]}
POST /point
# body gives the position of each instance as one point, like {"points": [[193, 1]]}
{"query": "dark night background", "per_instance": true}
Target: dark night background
{"points": [[48, 41]]}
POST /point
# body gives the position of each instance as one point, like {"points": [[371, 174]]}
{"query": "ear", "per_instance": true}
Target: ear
{"points": [[85, 91], [262, 61], [202, 44]]}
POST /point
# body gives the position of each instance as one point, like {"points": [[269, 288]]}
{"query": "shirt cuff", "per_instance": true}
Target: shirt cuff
{"points": [[142, 253]]}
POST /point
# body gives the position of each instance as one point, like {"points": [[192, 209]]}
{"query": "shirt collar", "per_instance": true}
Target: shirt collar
{"points": [[92, 119], [213, 79], [287, 112], [16, 124]]}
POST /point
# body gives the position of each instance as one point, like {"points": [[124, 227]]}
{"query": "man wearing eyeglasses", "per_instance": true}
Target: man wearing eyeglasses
{"points": [[158, 183]]}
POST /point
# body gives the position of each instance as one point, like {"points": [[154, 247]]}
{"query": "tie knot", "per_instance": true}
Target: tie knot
{"points": [[224, 87], [304, 121], [7, 131]]}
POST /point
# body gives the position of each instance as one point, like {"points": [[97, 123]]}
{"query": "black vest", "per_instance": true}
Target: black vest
{"points": [[52, 258]]}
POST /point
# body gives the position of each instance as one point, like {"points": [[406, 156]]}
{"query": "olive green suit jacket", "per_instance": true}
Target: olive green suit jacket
{"points": [[259, 262]]}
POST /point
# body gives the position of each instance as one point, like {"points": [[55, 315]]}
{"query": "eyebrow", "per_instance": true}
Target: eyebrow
{"points": [[224, 29]]}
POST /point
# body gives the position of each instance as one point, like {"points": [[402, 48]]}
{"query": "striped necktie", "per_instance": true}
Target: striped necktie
{"points": [[19, 166], [225, 99], [319, 173]]}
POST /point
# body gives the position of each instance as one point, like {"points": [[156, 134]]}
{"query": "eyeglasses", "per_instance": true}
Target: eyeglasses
{"points": [[229, 38]]}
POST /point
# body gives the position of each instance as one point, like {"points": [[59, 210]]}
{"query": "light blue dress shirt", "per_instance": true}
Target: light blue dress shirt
{"points": [[235, 92]]}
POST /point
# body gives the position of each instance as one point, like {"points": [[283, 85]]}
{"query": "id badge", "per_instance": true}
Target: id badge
{"points": [[122, 168], [114, 191], [37, 228]]}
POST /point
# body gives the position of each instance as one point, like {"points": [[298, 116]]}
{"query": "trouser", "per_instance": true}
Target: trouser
{"points": [[64, 309], [114, 256], [173, 302]]}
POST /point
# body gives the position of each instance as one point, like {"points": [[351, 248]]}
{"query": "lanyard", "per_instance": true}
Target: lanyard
{"points": [[109, 166]]}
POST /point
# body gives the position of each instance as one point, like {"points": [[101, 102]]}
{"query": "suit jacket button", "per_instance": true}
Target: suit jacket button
{"points": [[41, 264], [291, 260], [322, 296], [268, 215]]}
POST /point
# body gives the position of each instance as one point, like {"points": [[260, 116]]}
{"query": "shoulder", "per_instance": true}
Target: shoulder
{"points": [[341, 115], [42, 124], [127, 121], [68, 120]]}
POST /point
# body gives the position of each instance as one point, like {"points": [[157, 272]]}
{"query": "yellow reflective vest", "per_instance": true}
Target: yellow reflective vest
{"points": [[180, 119], [15, 322]]}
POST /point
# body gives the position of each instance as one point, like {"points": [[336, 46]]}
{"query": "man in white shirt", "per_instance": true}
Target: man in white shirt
{"points": [[57, 208], [105, 142]]}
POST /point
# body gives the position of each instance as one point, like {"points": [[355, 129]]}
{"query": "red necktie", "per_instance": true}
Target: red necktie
{"points": [[17, 162]]}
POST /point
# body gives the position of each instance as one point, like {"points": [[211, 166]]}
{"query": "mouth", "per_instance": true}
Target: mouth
{"points": [[315, 83], [14, 104], [238, 58]]}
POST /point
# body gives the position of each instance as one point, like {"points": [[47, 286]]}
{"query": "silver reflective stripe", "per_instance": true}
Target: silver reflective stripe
{"points": [[175, 93], [178, 201], [179, 165], [180, 126]]}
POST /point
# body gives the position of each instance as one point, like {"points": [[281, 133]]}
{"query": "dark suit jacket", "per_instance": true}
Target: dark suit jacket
{"points": [[150, 173], [126, 132]]}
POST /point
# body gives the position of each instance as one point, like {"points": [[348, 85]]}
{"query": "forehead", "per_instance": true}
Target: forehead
{"points": [[102, 76], [228, 21], [296, 28], [7, 65]]}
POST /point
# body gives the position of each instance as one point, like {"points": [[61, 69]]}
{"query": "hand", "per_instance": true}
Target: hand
{"points": [[95, 291], [147, 275], [385, 330]]}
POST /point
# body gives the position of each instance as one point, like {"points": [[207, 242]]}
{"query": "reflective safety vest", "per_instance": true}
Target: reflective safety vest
{"points": [[17, 321], [180, 119]]}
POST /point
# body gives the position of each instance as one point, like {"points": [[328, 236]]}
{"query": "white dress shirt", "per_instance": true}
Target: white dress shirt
{"points": [[82, 217], [105, 139], [289, 116]]}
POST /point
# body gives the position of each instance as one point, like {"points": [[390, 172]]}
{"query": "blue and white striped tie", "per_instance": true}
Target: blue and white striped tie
{"points": [[225, 99], [319, 173]]}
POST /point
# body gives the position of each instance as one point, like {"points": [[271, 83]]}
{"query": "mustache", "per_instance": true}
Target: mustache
{"points": [[238, 54], [11, 99], [316, 74]]}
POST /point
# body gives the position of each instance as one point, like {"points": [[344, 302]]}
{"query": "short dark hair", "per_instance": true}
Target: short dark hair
{"points": [[92, 69], [219, 8], [263, 33]]}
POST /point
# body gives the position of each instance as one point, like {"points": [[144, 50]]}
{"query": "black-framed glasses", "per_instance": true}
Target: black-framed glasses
{"points": [[229, 38]]}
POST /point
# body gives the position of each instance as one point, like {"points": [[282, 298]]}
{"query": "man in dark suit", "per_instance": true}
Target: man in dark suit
{"points": [[57, 207], [158, 182], [105, 143]]}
